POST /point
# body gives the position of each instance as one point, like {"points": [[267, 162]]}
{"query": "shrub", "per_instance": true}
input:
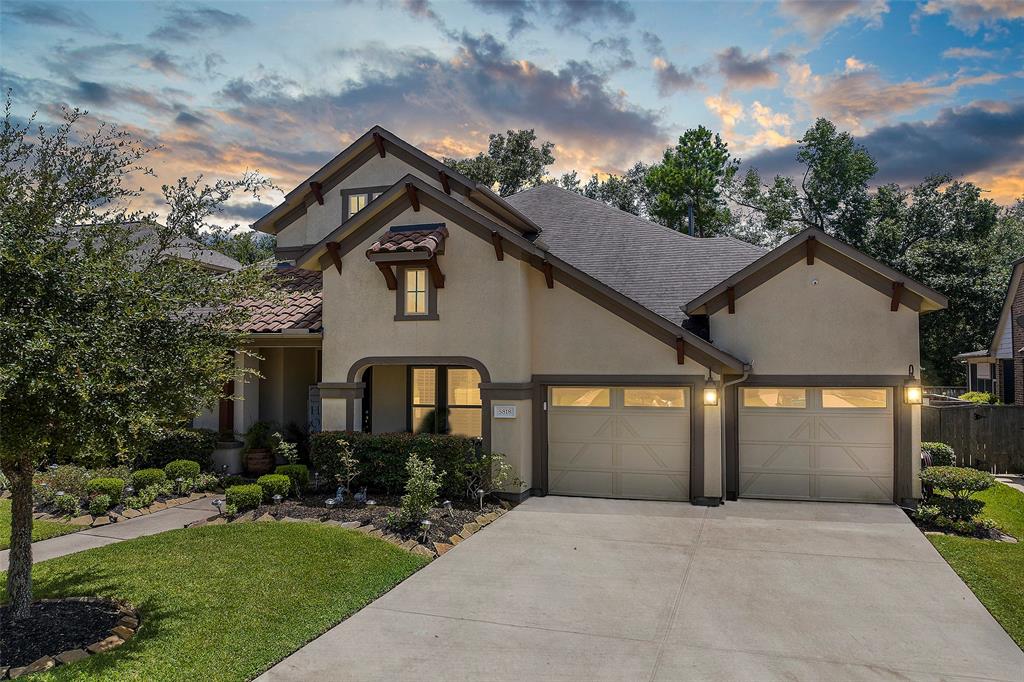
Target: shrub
{"points": [[979, 397], [99, 505], [194, 444], [181, 468], [937, 454], [143, 478], [274, 484], [233, 480], [112, 488], [66, 505], [260, 436], [201, 483], [243, 497], [382, 457], [144, 497], [420, 491], [490, 472], [298, 474], [289, 452], [959, 482], [66, 477]]}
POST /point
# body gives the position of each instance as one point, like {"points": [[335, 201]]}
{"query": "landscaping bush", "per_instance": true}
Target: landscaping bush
{"points": [[66, 505], [143, 478], [112, 488], [421, 488], [298, 474], [144, 497], [959, 482], [67, 478], [937, 454], [382, 457], [980, 397], [99, 505], [274, 484], [181, 468], [194, 444], [243, 497], [201, 483], [233, 480]]}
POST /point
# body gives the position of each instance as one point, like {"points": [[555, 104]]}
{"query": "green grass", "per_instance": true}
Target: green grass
{"points": [[224, 602], [994, 570], [41, 530]]}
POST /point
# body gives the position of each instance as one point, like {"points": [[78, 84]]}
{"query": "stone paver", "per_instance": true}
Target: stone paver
{"points": [[579, 589]]}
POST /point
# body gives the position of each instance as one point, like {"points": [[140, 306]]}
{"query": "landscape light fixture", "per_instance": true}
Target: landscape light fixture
{"points": [[219, 504], [480, 493], [277, 499], [447, 504], [425, 527]]}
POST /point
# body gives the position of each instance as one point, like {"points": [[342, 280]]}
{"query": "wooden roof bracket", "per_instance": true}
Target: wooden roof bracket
{"points": [[811, 242], [499, 251], [389, 275], [549, 274], [730, 294], [680, 350], [332, 250], [410, 189], [318, 191], [435, 273], [897, 295], [379, 141], [444, 182]]}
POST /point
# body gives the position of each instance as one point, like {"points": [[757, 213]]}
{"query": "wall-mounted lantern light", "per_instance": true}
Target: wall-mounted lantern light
{"points": [[710, 391], [913, 394]]}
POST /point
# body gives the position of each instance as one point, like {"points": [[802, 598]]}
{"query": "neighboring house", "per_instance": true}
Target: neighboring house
{"points": [[186, 249], [603, 354], [999, 369]]}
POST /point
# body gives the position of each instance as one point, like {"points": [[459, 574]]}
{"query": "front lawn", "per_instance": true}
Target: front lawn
{"points": [[994, 570], [41, 530], [224, 602]]}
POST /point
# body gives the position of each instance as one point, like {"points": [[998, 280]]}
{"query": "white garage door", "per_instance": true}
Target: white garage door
{"points": [[607, 441], [816, 443]]}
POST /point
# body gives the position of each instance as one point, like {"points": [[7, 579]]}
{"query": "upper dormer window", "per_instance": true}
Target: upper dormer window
{"points": [[355, 200]]}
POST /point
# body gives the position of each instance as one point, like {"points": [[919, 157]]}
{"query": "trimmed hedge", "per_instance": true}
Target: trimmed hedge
{"points": [[959, 482], [244, 497], [979, 397], [382, 458], [274, 484], [297, 473], [194, 444], [182, 468], [143, 478], [937, 454], [111, 487]]}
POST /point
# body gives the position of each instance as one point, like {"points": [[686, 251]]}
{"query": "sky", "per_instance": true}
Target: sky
{"points": [[935, 86]]}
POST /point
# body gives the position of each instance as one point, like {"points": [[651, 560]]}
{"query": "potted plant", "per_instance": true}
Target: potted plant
{"points": [[259, 459]]}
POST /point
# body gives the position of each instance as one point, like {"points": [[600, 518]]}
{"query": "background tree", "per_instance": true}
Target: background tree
{"points": [[512, 162], [696, 170], [627, 192], [105, 339], [244, 245]]}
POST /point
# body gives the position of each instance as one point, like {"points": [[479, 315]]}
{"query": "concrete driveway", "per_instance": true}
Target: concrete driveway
{"points": [[586, 589]]}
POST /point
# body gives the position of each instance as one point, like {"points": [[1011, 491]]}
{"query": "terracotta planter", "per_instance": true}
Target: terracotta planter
{"points": [[259, 462]]}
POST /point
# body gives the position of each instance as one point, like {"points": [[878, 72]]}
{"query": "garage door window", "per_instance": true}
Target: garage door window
{"points": [[854, 398], [788, 398], [569, 396], [654, 397]]}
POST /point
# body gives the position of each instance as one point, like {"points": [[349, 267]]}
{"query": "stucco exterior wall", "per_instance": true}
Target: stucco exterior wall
{"points": [[389, 398], [514, 439], [815, 319]]}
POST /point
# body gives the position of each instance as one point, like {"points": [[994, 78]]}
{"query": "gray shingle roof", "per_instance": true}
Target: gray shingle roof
{"points": [[657, 267]]}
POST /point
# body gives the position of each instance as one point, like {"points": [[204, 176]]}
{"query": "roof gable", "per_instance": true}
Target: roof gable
{"points": [[1004, 324]]}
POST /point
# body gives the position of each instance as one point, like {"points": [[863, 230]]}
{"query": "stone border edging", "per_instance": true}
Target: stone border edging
{"points": [[90, 521], [127, 625], [369, 529]]}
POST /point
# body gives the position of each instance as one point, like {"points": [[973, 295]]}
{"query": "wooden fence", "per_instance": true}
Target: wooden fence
{"points": [[989, 437]]}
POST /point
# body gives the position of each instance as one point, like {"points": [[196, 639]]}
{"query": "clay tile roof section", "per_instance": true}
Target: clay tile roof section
{"points": [[428, 239], [301, 308]]}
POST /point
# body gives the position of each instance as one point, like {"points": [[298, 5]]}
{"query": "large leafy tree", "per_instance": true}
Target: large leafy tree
{"points": [[105, 337], [627, 192], [512, 162], [245, 246], [832, 193], [695, 171]]}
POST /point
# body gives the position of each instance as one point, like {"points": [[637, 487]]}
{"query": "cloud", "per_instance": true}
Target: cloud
{"points": [[817, 18], [652, 43], [189, 24], [671, 79], [68, 62], [617, 48], [967, 53], [853, 65], [970, 15], [767, 118], [748, 71], [728, 111], [190, 120], [46, 14], [983, 140], [562, 14], [246, 212]]}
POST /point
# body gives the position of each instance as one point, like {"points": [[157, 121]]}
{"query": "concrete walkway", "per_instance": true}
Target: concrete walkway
{"points": [[584, 589], [1012, 481], [151, 524]]}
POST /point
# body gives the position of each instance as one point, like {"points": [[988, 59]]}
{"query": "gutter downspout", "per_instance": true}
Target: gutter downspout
{"points": [[746, 374]]}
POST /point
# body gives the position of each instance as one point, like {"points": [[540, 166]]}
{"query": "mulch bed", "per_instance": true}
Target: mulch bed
{"points": [[53, 627], [442, 526]]}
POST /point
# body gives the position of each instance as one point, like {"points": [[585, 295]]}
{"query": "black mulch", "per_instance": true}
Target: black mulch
{"points": [[443, 526], [52, 628]]}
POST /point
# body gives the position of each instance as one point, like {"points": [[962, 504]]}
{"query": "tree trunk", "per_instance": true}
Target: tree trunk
{"points": [[19, 571]]}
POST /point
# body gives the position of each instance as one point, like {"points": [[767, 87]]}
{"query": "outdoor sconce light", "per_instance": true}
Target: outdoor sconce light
{"points": [[710, 392], [913, 394]]}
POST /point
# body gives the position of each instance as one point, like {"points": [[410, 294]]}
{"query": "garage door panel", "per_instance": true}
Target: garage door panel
{"points": [[638, 451], [775, 427], [816, 452], [855, 488]]}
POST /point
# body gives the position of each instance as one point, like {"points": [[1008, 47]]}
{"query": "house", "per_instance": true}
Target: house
{"points": [[999, 369], [603, 354]]}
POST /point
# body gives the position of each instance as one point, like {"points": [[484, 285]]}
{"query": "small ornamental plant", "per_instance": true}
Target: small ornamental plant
{"points": [[937, 454], [956, 510], [420, 492]]}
